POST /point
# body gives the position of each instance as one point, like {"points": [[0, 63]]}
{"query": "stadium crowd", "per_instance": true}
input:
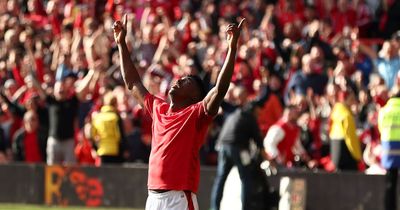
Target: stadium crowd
{"points": [[320, 69]]}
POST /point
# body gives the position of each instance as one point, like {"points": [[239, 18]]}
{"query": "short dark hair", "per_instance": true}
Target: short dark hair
{"points": [[200, 84]]}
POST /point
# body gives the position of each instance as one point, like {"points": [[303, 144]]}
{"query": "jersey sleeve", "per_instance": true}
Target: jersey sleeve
{"points": [[204, 117], [150, 103]]}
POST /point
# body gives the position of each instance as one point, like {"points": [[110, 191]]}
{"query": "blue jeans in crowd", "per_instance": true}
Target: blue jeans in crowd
{"points": [[228, 157]]}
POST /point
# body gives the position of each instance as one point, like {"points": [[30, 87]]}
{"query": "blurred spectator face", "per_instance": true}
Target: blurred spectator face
{"points": [[292, 114], [32, 103], [10, 87], [3, 21], [13, 22], [357, 78], [190, 68], [36, 6], [51, 7], [304, 119], [275, 83], [31, 121], [65, 45], [342, 5], [109, 99], [348, 97], [240, 95], [309, 13], [242, 71], [29, 81], [10, 38], [80, 61], [243, 51], [331, 90], [60, 92], [290, 31], [48, 79], [154, 83], [69, 85], [326, 27], [31, 5], [316, 53], [89, 26], [300, 102], [12, 5], [289, 6], [295, 62], [389, 50]]}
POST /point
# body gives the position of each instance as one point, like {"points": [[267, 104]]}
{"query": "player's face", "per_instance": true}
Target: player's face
{"points": [[184, 87]]}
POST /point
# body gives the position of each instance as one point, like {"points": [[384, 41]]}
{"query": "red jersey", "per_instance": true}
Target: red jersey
{"points": [[288, 141], [32, 151], [177, 137]]}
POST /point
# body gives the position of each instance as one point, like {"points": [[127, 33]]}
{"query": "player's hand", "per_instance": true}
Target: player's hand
{"points": [[233, 33], [119, 29]]}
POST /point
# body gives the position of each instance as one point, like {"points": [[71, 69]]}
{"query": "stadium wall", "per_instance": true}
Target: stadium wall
{"points": [[126, 187]]}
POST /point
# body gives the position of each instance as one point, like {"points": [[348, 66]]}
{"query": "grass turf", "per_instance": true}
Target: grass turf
{"points": [[5, 206]]}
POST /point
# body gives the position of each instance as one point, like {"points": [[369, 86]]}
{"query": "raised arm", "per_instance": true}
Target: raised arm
{"points": [[82, 88], [368, 51], [129, 73], [216, 95]]}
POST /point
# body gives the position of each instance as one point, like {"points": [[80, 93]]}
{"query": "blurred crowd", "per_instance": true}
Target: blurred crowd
{"points": [[323, 69]]}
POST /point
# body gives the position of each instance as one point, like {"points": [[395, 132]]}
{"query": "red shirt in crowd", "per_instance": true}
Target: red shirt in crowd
{"points": [[32, 151], [291, 136], [343, 18], [177, 137]]}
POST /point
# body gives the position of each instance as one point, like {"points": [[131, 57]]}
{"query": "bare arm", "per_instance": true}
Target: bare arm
{"points": [[368, 51], [269, 12], [160, 49], [215, 97], [91, 78], [83, 85], [56, 54], [76, 40], [129, 73], [145, 16]]}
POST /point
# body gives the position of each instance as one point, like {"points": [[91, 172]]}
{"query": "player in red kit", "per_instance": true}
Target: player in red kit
{"points": [[179, 127]]}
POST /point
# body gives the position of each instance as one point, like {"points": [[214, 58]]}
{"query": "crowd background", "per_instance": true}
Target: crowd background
{"points": [[60, 78]]}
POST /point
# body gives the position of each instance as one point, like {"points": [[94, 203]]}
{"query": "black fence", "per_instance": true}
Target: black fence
{"points": [[126, 187]]}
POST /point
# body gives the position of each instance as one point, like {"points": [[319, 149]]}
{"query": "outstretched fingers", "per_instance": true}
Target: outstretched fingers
{"points": [[125, 21], [241, 23]]}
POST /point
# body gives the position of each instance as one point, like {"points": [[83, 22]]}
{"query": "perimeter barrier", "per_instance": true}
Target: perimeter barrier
{"points": [[125, 186]]}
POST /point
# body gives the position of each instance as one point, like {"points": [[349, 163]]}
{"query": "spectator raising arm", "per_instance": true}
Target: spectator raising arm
{"points": [[129, 73], [368, 51], [216, 95], [91, 77]]}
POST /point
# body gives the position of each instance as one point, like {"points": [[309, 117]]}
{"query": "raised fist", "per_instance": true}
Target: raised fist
{"points": [[119, 29], [233, 33]]}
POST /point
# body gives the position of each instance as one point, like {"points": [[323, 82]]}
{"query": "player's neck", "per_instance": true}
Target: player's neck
{"points": [[176, 106]]}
